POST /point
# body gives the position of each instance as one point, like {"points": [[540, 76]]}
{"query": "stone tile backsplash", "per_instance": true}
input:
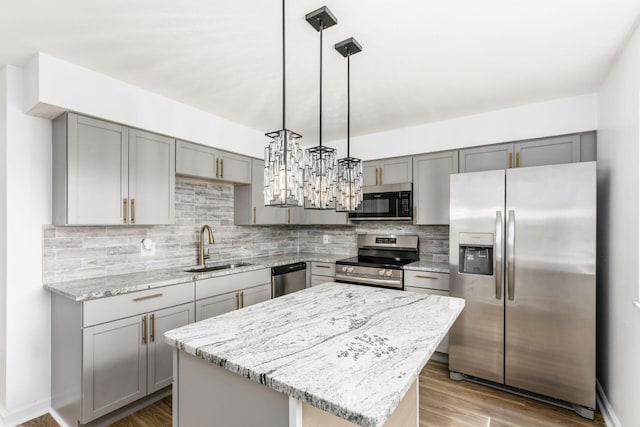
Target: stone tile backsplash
{"points": [[76, 252]]}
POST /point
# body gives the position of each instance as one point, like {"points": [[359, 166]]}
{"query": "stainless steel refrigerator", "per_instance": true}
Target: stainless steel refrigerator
{"points": [[522, 255]]}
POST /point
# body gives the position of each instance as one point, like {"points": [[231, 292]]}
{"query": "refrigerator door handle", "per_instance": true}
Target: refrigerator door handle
{"points": [[511, 252], [497, 255]]}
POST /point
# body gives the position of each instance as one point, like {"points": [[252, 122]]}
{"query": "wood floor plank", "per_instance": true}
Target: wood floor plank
{"points": [[442, 403]]}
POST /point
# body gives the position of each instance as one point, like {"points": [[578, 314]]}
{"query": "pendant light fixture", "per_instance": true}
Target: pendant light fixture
{"points": [[349, 180], [320, 164], [283, 157]]}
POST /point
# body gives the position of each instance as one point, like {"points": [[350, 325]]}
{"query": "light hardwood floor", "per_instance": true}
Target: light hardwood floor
{"points": [[443, 403]]}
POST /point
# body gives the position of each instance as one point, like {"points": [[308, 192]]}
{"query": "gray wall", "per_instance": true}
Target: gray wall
{"points": [[618, 319], [82, 252]]}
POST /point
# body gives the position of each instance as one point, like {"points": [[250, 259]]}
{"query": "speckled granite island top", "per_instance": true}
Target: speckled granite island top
{"points": [[352, 351]]}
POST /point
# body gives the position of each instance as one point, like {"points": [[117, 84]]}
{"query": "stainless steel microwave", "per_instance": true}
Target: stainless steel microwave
{"points": [[392, 202]]}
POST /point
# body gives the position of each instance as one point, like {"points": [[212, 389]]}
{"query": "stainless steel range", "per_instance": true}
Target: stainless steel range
{"points": [[379, 261]]}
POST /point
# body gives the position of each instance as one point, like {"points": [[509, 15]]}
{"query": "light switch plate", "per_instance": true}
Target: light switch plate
{"points": [[325, 239]]}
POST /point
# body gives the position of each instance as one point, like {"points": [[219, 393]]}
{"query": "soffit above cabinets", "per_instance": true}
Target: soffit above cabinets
{"points": [[424, 60]]}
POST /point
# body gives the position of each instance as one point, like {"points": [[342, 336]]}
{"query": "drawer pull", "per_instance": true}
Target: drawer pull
{"points": [[147, 297], [427, 277], [322, 266]]}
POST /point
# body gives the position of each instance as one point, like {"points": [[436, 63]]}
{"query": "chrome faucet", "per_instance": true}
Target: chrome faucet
{"points": [[201, 255]]}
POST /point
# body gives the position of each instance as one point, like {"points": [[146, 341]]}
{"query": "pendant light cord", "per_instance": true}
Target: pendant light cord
{"points": [[321, 28], [284, 100], [350, 178]]}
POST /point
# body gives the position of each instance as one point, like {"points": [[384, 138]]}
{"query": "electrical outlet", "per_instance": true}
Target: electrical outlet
{"points": [[147, 247], [325, 239]]}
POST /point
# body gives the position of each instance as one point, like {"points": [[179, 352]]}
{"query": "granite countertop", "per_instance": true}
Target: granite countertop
{"points": [[352, 351], [87, 289], [433, 266]]}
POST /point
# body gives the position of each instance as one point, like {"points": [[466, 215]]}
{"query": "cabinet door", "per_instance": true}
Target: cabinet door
{"points": [[159, 353], [255, 295], [318, 280], [431, 186], [195, 160], [97, 171], [234, 167], [548, 151], [114, 366], [152, 174], [214, 306], [395, 171], [444, 344], [369, 173], [261, 214], [479, 159]]}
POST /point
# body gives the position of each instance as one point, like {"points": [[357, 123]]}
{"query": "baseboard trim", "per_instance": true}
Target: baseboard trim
{"points": [[26, 413], [58, 418], [609, 416]]}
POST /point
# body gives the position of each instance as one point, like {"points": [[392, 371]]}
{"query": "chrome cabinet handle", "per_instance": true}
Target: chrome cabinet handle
{"points": [[144, 329], [511, 255], [497, 255], [125, 211]]}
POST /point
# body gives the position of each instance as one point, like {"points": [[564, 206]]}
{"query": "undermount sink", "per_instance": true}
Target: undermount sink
{"points": [[205, 268]]}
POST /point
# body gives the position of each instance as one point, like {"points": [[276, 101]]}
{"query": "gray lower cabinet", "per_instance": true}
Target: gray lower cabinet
{"points": [[535, 152], [396, 170], [220, 304], [322, 272], [218, 295], [431, 186], [201, 161], [107, 174], [110, 352]]}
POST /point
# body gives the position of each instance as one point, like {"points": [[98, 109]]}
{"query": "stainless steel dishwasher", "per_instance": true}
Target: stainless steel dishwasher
{"points": [[288, 278]]}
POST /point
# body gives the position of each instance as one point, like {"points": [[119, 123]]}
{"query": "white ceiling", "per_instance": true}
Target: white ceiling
{"points": [[423, 60]]}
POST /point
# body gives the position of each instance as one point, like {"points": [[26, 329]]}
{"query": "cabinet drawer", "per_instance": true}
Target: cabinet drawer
{"points": [[323, 269], [121, 306], [426, 280], [232, 282]]}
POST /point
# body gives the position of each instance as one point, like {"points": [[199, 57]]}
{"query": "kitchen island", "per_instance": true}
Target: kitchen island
{"points": [[331, 355]]}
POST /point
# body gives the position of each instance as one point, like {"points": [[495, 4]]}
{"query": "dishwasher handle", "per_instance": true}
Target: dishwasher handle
{"points": [[289, 268]]}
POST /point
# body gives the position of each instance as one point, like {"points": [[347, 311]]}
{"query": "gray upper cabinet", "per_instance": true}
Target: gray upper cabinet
{"points": [[195, 160], [151, 178], [431, 186], [205, 162], [492, 157], [548, 151], [396, 170], [234, 167], [535, 152], [107, 174], [249, 208]]}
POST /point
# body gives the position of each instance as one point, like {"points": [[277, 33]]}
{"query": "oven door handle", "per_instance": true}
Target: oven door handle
{"points": [[370, 281]]}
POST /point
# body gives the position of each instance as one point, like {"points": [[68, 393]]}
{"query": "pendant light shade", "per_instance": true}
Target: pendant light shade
{"points": [[349, 180], [283, 157], [320, 165]]}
